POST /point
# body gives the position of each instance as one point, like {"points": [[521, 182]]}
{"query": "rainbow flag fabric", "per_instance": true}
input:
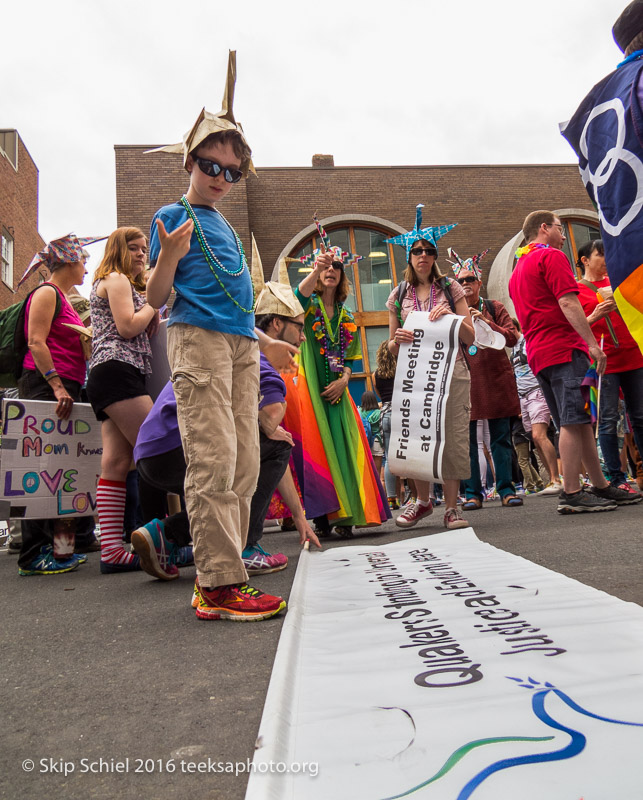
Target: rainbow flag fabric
{"points": [[589, 389]]}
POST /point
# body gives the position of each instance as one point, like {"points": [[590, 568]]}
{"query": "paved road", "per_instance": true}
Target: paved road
{"points": [[117, 666]]}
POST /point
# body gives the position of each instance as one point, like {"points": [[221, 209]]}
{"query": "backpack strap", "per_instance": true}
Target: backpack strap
{"points": [[402, 289], [58, 296], [490, 308], [610, 327]]}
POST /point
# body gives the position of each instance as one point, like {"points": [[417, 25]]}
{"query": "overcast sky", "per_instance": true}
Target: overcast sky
{"points": [[373, 83]]}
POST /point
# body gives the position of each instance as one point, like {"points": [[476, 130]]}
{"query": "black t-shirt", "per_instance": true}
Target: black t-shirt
{"points": [[384, 387]]}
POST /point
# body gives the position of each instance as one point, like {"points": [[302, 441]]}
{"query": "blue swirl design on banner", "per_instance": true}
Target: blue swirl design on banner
{"points": [[573, 748]]}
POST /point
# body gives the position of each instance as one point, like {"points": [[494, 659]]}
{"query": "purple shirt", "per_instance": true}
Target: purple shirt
{"points": [[159, 433], [271, 384]]}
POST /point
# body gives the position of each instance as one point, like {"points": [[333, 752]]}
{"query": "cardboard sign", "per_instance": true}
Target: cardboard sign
{"points": [[49, 466], [418, 409]]}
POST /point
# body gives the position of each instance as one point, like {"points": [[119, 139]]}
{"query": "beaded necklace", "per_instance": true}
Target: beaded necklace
{"points": [[333, 345], [416, 302], [211, 258]]}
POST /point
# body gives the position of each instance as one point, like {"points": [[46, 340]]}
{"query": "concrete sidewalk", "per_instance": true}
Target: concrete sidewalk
{"points": [[117, 667]]}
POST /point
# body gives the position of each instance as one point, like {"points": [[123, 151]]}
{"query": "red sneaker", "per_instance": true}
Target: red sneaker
{"points": [[413, 513], [238, 602], [624, 486]]}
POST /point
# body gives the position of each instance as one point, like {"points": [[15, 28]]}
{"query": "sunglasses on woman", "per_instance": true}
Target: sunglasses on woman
{"points": [[418, 251], [213, 169], [468, 279]]}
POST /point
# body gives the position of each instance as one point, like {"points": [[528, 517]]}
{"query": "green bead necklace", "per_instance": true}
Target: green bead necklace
{"points": [[211, 258]]}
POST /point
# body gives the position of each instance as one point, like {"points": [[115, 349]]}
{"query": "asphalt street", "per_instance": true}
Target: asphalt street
{"points": [[117, 667]]}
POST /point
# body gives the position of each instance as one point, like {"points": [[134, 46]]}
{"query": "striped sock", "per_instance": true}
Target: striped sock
{"points": [[110, 502]]}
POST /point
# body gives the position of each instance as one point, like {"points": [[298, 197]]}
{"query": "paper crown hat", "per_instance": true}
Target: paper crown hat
{"points": [[347, 259], [208, 123], [66, 250], [273, 297], [628, 25], [470, 265], [430, 234]]}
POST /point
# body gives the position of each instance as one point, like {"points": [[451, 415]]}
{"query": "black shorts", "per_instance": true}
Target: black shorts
{"points": [[560, 384], [112, 381]]}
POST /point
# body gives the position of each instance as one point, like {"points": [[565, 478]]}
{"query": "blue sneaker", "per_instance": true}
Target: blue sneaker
{"points": [[46, 564], [157, 554], [184, 556], [258, 562]]}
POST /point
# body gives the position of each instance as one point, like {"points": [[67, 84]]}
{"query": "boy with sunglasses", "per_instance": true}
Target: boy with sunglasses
{"points": [[214, 357]]}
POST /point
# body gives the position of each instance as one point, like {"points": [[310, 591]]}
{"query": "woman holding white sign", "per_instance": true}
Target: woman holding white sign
{"points": [[425, 289], [121, 358]]}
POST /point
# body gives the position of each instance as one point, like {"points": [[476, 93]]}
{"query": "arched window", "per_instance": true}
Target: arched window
{"points": [[379, 270], [578, 233]]}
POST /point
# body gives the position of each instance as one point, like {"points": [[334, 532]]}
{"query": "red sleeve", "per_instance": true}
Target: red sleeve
{"points": [[503, 323], [558, 274]]}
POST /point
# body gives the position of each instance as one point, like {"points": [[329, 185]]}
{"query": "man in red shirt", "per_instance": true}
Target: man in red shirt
{"points": [[624, 360], [559, 339]]}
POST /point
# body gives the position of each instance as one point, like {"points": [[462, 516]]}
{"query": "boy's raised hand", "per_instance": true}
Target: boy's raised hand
{"points": [[177, 243]]}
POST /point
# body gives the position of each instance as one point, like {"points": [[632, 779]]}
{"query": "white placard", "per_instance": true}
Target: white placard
{"points": [[418, 408], [49, 466], [443, 668]]}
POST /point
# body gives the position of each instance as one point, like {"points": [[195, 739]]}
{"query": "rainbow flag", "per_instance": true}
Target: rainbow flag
{"points": [[589, 390]]}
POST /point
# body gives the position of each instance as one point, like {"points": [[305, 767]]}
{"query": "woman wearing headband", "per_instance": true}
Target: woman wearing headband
{"points": [[53, 369], [428, 290], [327, 355]]}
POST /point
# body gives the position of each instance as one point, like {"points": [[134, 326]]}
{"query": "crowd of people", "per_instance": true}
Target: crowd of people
{"points": [[257, 409]]}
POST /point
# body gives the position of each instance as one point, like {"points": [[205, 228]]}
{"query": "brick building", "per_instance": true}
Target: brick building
{"points": [[18, 216], [362, 206]]}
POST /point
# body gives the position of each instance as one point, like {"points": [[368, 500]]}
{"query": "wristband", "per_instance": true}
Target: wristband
{"points": [[51, 373]]}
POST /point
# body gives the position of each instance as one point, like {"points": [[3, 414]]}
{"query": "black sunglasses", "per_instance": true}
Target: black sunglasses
{"points": [[429, 251], [337, 265], [468, 279], [213, 169]]}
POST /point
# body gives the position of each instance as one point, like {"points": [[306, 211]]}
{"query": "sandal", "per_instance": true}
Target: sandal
{"points": [[472, 504], [511, 500]]}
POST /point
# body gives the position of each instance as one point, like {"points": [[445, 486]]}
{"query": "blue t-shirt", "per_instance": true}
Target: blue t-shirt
{"points": [[200, 300]]}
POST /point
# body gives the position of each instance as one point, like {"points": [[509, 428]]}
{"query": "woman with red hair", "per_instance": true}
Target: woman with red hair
{"points": [[122, 323]]}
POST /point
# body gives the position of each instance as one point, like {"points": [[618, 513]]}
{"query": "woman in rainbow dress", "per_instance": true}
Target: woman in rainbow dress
{"points": [[332, 345]]}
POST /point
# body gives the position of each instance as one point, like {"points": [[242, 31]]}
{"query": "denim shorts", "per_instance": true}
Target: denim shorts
{"points": [[561, 386]]}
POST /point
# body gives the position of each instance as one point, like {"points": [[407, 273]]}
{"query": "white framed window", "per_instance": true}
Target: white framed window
{"points": [[9, 146], [6, 258]]}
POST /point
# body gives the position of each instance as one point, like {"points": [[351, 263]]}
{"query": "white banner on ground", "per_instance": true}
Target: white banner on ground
{"points": [[422, 380], [443, 668], [49, 466]]}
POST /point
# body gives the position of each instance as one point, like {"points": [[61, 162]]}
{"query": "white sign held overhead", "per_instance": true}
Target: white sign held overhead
{"points": [[418, 409]]}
